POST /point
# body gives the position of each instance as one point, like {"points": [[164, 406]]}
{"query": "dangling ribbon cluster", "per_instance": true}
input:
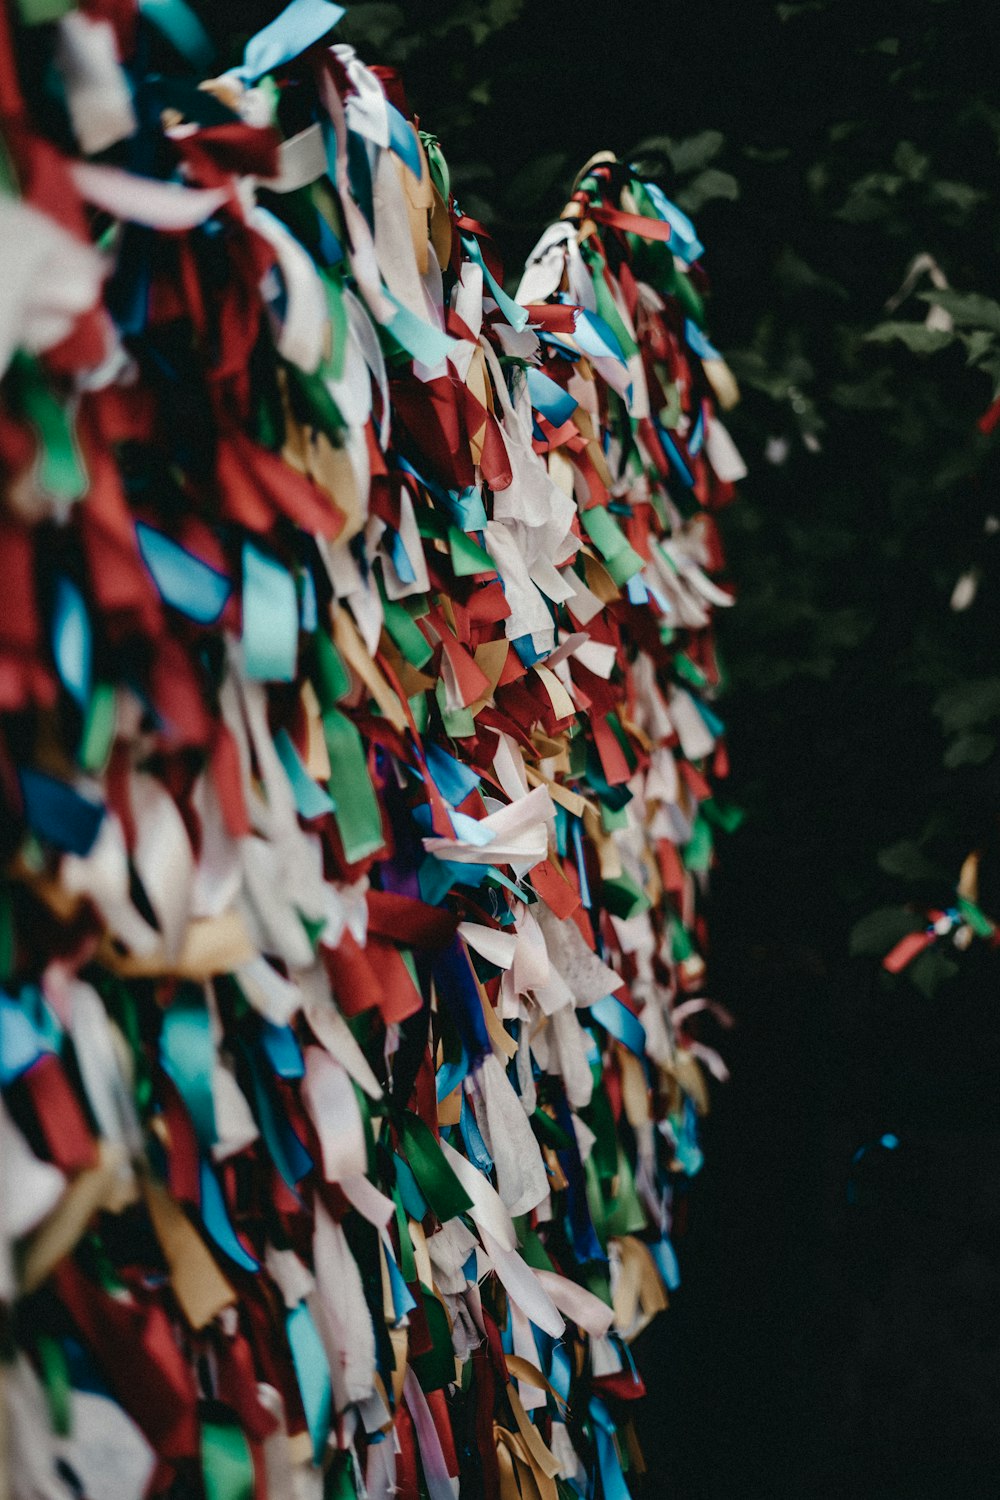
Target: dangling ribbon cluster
{"points": [[359, 766], [960, 925]]}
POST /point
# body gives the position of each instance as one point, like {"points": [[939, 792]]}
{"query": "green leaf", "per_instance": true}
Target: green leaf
{"points": [[958, 196], [868, 199], [970, 749], [706, 186], [792, 11], [981, 347], [875, 934], [908, 160], [907, 861], [930, 969], [482, 18], [915, 336], [696, 151], [969, 703], [371, 25], [794, 273], [968, 309]]}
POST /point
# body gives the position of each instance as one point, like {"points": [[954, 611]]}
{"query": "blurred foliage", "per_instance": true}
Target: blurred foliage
{"points": [[841, 160]]}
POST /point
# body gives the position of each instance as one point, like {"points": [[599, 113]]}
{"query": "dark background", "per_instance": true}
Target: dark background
{"points": [[838, 1330]]}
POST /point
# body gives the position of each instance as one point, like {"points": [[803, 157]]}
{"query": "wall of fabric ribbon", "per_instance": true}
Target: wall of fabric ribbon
{"points": [[360, 777]]}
